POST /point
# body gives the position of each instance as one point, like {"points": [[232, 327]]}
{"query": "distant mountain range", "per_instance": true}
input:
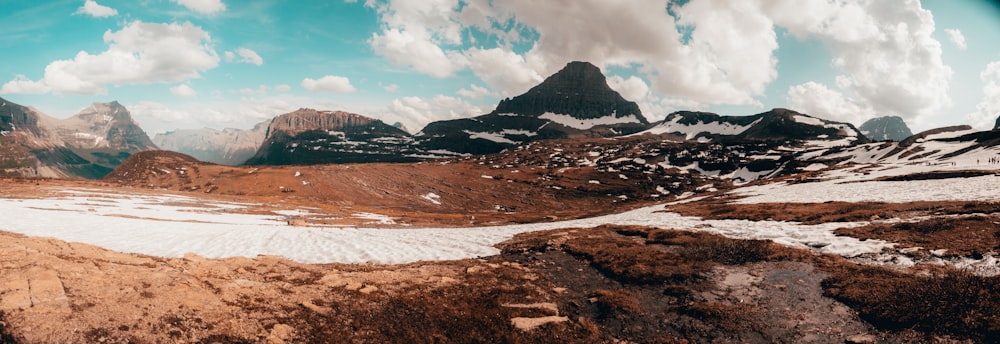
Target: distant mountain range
{"points": [[228, 146], [89, 144], [889, 128], [574, 103]]}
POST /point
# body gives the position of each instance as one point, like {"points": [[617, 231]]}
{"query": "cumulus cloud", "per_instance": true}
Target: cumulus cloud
{"points": [[415, 112], [329, 83], [391, 88], [93, 9], [702, 51], [633, 88], [203, 6], [282, 88], [245, 56], [139, 53], [22, 85], [474, 91], [183, 91], [957, 38], [891, 62], [988, 108], [820, 101]]}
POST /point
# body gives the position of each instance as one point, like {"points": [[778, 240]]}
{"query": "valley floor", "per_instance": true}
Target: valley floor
{"points": [[801, 259]]}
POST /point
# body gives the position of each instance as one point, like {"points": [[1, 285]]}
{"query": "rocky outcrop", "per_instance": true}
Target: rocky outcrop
{"points": [[227, 146], [308, 136], [889, 128], [997, 126]]}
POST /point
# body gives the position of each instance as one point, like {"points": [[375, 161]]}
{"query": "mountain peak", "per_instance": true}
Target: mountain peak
{"points": [[891, 128], [578, 90]]}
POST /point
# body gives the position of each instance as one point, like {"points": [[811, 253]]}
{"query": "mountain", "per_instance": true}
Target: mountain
{"points": [[997, 126], [104, 134], [889, 128], [777, 125], [308, 136], [87, 145], [228, 146], [572, 103]]}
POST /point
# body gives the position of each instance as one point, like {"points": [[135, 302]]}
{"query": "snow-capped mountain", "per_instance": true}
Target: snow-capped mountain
{"points": [[308, 136], [228, 146], [774, 125], [891, 128], [574, 102]]}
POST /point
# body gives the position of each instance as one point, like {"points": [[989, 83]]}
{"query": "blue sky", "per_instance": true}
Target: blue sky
{"points": [[226, 63]]}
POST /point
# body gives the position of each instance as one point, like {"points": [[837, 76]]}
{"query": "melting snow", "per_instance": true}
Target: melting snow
{"points": [[432, 197], [584, 124], [692, 130]]}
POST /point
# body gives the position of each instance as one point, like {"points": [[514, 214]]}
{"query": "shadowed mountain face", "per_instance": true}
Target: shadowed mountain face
{"points": [[575, 102], [891, 128], [997, 126], [307, 136], [579, 90]]}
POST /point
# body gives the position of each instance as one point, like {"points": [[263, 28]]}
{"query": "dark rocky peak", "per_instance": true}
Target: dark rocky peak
{"points": [[997, 126], [579, 90], [303, 120], [891, 128]]}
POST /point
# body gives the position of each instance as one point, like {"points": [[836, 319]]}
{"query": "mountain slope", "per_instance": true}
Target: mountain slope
{"points": [[891, 128], [87, 145], [775, 125], [228, 146], [308, 136], [574, 102]]}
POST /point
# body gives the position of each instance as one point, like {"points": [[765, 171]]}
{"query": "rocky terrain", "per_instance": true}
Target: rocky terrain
{"points": [[889, 128], [228, 146]]}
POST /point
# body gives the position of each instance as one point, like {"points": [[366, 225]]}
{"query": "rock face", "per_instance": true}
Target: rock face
{"points": [[308, 136], [87, 145], [997, 126], [574, 102], [228, 146], [889, 128], [579, 90]]}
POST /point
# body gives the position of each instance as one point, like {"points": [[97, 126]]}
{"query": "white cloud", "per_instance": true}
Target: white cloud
{"points": [[245, 56], [329, 83], [139, 53], [282, 88], [23, 85], [891, 62], [261, 90], [391, 88], [819, 101], [152, 111], [203, 6], [503, 70], [416, 112], [474, 91], [633, 88], [957, 38], [93, 9], [183, 91], [988, 108]]}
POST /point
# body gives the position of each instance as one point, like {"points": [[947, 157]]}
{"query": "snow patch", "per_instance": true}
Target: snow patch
{"points": [[583, 124]]}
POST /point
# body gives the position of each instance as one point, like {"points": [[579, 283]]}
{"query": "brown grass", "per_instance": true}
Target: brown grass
{"points": [[953, 303], [813, 213], [961, 236]]}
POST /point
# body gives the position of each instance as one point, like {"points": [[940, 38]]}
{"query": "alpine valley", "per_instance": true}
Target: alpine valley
{"points": [[564, 215]]}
